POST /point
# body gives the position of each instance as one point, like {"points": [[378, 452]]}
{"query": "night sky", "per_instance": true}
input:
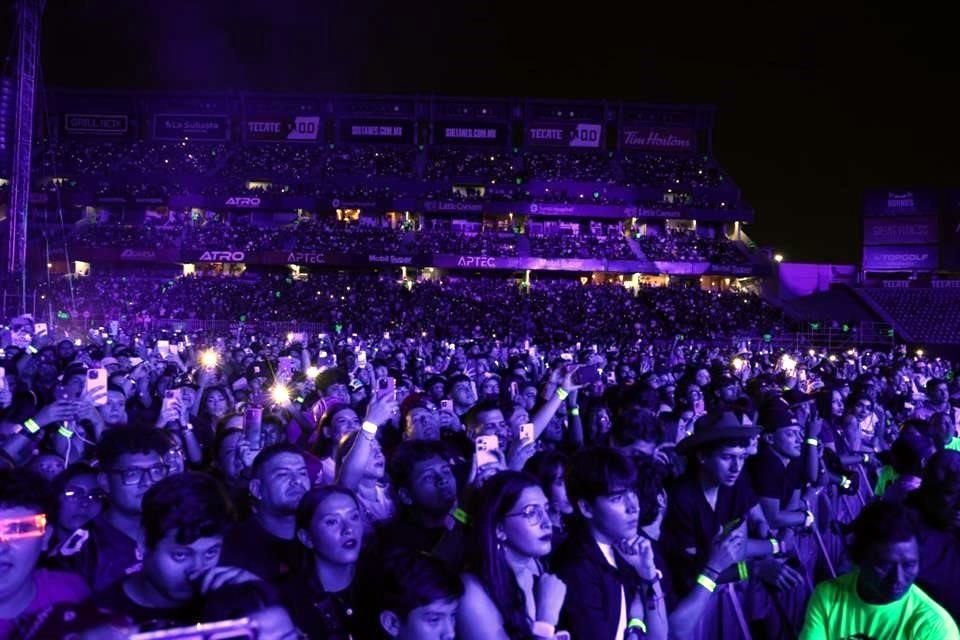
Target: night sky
{"points": [[812, 108]]}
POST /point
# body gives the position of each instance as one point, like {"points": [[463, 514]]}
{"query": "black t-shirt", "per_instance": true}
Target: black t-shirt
{"points": [[690, 525], [318, 613], [115, 600], [771, 479], [249, 546], [106, 555]]}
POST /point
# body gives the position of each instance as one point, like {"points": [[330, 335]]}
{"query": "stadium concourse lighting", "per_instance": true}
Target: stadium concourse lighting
{"points": [[778, 257]]}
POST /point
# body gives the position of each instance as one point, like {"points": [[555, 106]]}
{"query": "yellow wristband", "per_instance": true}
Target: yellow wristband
{"points": [[65, 432], [742, 570], [31, 425], [575, 411], [562, 393], [706, 583], [813, 442], [369, 427], [637, 623], [776, 546]]}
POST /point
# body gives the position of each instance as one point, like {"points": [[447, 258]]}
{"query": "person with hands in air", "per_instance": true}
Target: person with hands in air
{"points": [[20, 445]]}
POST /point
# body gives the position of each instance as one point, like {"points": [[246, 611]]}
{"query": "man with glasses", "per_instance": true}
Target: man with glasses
{"points": [[131, 461]]}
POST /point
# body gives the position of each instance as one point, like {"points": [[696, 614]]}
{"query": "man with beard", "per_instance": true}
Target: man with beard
{"points": [[265, 544]]}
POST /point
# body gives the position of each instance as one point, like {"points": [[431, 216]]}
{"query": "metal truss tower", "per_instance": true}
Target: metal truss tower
{"points": [[29, 13]]}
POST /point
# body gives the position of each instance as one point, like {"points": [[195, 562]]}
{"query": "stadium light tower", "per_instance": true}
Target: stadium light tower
{"points": [[29, 13]]}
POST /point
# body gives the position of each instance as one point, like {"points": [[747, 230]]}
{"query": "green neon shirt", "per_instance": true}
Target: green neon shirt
{"points": [[836, 612]]}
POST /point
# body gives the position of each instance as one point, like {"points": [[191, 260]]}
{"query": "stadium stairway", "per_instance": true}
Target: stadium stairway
{"points": [[523, 245], [635, 247]]}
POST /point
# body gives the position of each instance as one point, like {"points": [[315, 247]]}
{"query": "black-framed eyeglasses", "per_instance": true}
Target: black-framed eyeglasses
{"points": [[79, 495], [134, 475], [535, 513]]}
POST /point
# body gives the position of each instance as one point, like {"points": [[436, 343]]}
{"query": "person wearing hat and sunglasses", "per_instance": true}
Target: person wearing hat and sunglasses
{"points": [[712, 502]]}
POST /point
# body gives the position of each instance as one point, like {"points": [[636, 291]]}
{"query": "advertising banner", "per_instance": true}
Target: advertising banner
{"points": [[179, 126], [900, 258], [96, 124], [472, 133], [878, 203], [901, 230], [586, 135], [277, 128], [452, 206], [387, 132], [645, 138]]}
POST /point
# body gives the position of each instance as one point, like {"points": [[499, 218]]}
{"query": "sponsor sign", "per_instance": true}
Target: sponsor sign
{"points": [[176, 126], [222, 256], [453, 206], [644, 138], [897, 230], [586, 135], [299, 128], [138, 254], [482, 133], [388, 132], [900, 203], [244, 202], [900, 258], [99, 124]]}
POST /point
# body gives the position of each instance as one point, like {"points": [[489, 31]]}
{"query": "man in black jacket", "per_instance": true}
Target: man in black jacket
{"points": [[608, 568]]}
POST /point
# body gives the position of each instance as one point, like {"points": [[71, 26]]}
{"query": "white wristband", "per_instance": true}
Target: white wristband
{"points": [[370, 428], [543, 629]]}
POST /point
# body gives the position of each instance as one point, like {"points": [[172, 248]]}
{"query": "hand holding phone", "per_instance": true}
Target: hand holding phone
{"points": [[526, 432], [486, 446], [96, 385]]}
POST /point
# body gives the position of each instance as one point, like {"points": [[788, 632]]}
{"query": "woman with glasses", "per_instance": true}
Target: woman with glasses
{"points": [[507, 592]]}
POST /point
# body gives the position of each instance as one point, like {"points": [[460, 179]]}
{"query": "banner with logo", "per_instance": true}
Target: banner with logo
{"points": [[471, 133], [178, 126], [901, 258], [646, 138], [452, 206], [878, 203], [276, 128], [385, 131], [96, 124], [901, 230], [586, 135]]}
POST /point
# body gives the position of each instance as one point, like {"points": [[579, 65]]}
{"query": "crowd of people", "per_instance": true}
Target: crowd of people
{"points": [[133, 166], [550, 310], [184, 230], [468, 459], [688, 245]]}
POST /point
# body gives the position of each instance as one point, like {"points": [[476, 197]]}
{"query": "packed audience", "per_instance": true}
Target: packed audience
{"points": [[581, 246], [688, 245], [468, 459]]}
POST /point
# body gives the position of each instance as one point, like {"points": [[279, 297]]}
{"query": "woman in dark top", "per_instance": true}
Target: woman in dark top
{"points": [[321, 598]]}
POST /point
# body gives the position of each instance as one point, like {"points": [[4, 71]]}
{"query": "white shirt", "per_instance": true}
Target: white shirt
{"points": [[607, 551]]}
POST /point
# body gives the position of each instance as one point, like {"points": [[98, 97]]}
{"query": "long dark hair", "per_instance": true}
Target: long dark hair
{"points": [[496, 498]]}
